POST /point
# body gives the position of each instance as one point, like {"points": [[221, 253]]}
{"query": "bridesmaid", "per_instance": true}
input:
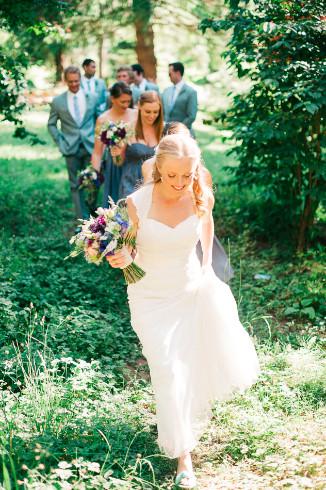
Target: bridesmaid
{"points": [[149, 126], [121, 98]]}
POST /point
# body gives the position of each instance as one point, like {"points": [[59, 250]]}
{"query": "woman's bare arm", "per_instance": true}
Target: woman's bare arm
{"points": [[207, 235], [99, 147]]}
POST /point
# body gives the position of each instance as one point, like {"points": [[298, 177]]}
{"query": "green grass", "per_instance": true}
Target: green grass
{"points": [[71, 411]]}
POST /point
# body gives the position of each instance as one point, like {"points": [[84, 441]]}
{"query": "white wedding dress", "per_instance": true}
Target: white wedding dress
{"points": [[196, 348]]}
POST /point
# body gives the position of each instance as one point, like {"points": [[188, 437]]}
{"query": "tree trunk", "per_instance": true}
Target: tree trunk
{"points": [[145, 36], [306, 222], [145, 49], [100, 55], [59, 64]]}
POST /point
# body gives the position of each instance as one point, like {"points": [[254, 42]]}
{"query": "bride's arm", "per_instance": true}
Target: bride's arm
{"points": [[118, 260], [207, 236]]}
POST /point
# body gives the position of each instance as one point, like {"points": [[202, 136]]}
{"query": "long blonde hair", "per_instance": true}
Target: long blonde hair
{"points": [[150, 96], [183, 146]]}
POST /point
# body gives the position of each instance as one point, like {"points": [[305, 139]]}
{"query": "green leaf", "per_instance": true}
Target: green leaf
{"points": [[312, 108], [306, 302], [310, 312], [291, 311], [6, 477]]}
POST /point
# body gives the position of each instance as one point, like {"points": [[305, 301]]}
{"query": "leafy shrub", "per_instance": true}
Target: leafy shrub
{"points": [[280, 124]]}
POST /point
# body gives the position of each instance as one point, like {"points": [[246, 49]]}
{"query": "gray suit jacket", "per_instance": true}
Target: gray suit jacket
{"points": [[152, 86], [100, 89], [185, 105], [71, 135]]}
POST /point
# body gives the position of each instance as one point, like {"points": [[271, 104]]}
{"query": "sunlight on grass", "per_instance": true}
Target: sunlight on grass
{"points": [[13, 152]]}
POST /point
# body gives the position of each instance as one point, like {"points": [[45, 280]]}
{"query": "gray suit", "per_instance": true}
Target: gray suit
{"points": [[100, 89], [185, 106], [76, 143], [151, 86]]}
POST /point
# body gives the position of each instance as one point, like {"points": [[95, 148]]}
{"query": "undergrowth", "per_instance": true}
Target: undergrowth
{"points": [[77, 410]]}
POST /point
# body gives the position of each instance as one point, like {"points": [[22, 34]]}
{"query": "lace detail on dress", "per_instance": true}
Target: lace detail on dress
{"points": [[142, 200]]}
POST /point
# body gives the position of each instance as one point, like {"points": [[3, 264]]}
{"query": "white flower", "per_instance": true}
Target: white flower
{"points": [[110, 226], [109, 213], [244, 449], [100, 211], [63, 464], [94, 467], [72, 239], [66, 485], [94, 175], [63, 474]]}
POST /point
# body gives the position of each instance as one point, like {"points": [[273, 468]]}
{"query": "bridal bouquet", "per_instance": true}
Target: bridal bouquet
{"points": [[106, 234], [111, 134], [90, 179]]}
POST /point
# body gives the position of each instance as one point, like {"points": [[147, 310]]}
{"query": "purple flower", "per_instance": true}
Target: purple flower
{"points": [[121, 132], [99, 225], [105, 140]]}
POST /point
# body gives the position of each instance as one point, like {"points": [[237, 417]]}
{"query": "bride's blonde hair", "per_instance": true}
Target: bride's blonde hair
{"points": [[179, 146]]}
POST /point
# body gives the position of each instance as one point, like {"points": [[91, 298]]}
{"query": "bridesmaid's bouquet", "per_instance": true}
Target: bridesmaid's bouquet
{"points": [[112, 134], [90, 179], [106, 234]]}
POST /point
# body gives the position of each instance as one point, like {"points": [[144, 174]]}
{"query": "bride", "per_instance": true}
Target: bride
{"points": [[185, 317]]}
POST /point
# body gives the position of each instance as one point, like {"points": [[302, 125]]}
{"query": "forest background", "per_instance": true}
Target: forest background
{"points": [[77, 410]]}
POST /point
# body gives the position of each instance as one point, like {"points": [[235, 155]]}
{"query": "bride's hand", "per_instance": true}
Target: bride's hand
{"points": [[118, 260]]}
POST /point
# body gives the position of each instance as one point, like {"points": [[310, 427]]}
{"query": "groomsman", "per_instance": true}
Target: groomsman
{"points": [[180, 100], [91, 84], [140, 80], [124, 74], [77, 113]]}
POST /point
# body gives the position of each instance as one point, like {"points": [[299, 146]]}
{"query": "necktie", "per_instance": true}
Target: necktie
{"points": [[171, 101], [77, 112], [89, 85]]}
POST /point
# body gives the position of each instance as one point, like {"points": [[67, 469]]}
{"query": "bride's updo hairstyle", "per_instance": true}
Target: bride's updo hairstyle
{"points": [[183, 146]]}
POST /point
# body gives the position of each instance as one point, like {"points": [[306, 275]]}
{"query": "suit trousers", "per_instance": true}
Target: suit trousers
{"points": [[76, 163]]}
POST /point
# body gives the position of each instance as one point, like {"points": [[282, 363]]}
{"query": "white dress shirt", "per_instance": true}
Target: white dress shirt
{"points": [[88, 84], [178, 87], [142, 85], [81, 99]]}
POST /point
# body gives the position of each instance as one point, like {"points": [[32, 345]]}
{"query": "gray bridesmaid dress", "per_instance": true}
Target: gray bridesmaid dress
{"points": [[131, 178], [112, 181]]}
